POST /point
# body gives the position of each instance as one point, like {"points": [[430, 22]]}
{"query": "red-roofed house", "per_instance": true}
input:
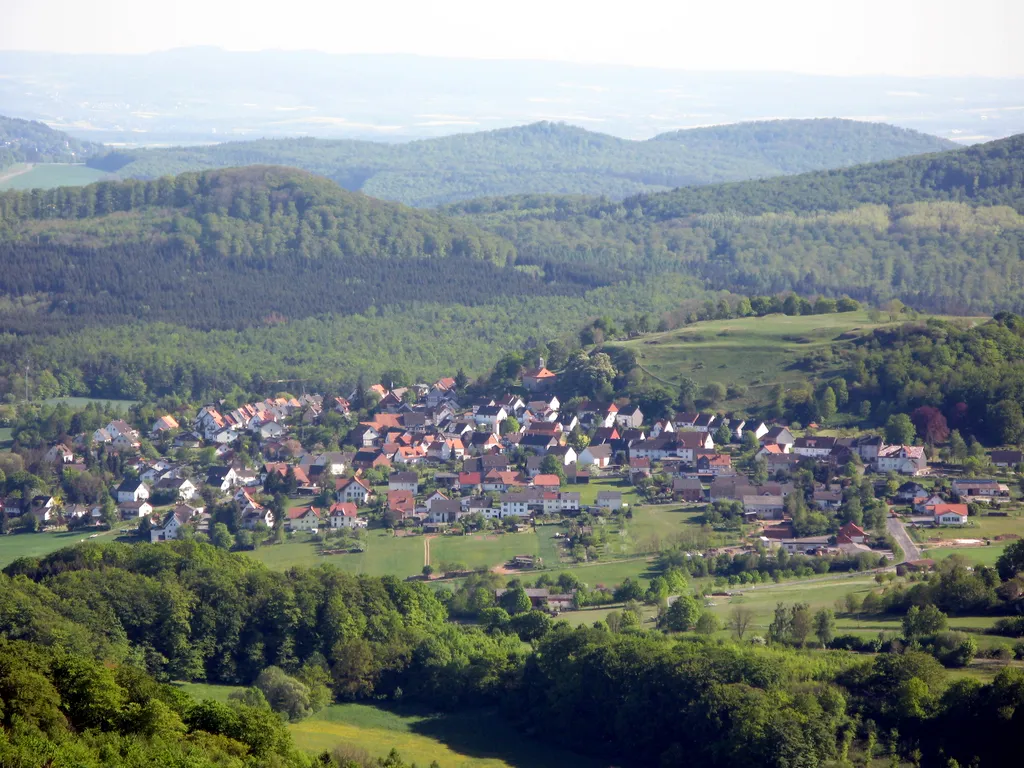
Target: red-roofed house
{"points": [[345, 515], [851, 533], [547, 481], [353, 489], [303, 519], [949, 514], [538, 379]]}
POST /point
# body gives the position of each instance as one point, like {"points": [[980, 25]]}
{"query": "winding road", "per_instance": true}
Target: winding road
{"points": [[910, 550]]}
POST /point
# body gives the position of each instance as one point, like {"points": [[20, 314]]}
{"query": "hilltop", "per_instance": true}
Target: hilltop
{"points": [[551, 158]]}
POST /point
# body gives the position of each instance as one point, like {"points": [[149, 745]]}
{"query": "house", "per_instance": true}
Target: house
{"points": [[101, 436], [515, 504], [353, 489], [490, 417], [484, 442], [131, 490], [687, 489], [494, 480], [910, 491], [868, 447], [764, 507], [662, 426], [610, 500], [547, 482], [132, 510], [538, 379], [345, 515], [779, 436], [851, 533], [922, 503], [1007, 459], [639, 468], [303, 519], [950, 514], [404, 481], [472, 481], [759, 428], [902, 459], [401, 504], [434, 498], [334, 462], [629, 416], [540, 443], [170, 527], [714, 464], [182, 489], [809, 545], [221, 478], [991, 490], [564, 501], [59, 454], [445, 511], [566, 453], [118, 428], [368, 458], [596, 455], [164, 424], [827, 499], [254, 515], [814, 447]]}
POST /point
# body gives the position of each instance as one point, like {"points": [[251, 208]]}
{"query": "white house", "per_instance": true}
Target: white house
{"points": [[950, 514], [764, 507], [131, 510], [814, 447], [303, 519], [172, 523], [902, 459], [490, 416], [132, 490], [182, 488], [515, 504], [611, 500], [345, 515], [596, 455], [354, 490], [404, 481]]}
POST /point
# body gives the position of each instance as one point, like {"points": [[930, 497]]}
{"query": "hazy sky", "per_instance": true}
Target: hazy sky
{"points": [[904, 37]]}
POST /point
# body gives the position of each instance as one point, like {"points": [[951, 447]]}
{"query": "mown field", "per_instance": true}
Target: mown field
{"points": [[754, 352], [49, 175], [18, 545]]}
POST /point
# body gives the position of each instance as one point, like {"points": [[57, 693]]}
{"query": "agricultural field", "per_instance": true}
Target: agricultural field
{"points": [[754, 353], [49, 175], [473, 739], [481, 549]]}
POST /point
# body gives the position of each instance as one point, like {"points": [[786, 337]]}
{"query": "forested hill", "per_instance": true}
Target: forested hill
{"points": [[942, 232], [28, 141], [550, 158], [984, 174], [233, 248]]}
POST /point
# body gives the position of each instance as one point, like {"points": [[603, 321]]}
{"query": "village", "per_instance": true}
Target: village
{"points": [[430, 460]]}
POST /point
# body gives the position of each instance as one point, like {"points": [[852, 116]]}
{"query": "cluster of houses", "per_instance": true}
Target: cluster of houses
{"points": [[470, 443]]}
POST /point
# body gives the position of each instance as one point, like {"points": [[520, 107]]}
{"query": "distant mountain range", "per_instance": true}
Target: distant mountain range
{"points": [[551, 158]]}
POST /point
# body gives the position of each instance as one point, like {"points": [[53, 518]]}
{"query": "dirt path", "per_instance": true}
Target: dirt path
{"points": [[426, 549], [17, 171]]}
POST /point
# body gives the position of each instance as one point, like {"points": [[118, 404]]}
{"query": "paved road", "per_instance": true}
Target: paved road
{"points": [[910, 550]]}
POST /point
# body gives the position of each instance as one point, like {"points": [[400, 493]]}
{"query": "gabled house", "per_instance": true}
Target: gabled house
{"points": [[539, 379], [345, 515], [779, 436], [164, 424], [182, 489], [629, 416], [596, 455], [445, 511], [132, 510], [404, 481], [1007, 459], [610, 500], [303, 519], [353, 489], [221, 478], [851, 533], [59, 454], [950, 514], [828, 499], [172, 523], [688, 489], [401, 504], [490, 416], [764, 507], [131, 490], [902, 459], [814, 447]]}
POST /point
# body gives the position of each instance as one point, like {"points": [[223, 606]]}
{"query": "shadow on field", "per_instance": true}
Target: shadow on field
{"points": [[487, 733]]}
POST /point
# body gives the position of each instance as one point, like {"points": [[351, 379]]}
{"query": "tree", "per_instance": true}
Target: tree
{"points": [[682, 614], [629, 590], [1011, 562], [828, 406], [899, 430], [922, 622], [221, 537], [284, 693], [516, 601], [825, 626], [714, 392], [687, 394], [428, 570], [707, 624], [800, 623], [739, 620], [723, 435], [510, 426], [779, 629], [930, 424], [1007, 422], [530, 625], [957, 446]]}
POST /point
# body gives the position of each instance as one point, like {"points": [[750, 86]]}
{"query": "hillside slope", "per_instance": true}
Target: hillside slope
{"points": [[231, 248], [550, 158], [943, 232], [28, 141]]}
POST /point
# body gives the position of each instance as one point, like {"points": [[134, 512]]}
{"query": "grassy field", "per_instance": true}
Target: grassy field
{"points": [[977, 555], [478, 739], [48, 175], [752, 352], [588, 491], [483, 549], [18, 545], [980, 527], [6, 438], [384, 555]]}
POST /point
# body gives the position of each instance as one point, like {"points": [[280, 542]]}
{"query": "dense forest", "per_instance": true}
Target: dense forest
{"points": [[28, 141], [108, 621], [550, 158]]}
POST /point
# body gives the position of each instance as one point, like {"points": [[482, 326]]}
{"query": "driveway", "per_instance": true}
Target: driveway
{"points": [[896, 528]]}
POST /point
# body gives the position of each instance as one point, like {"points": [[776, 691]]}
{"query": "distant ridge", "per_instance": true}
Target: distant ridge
{"points": [[550, 158]]}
